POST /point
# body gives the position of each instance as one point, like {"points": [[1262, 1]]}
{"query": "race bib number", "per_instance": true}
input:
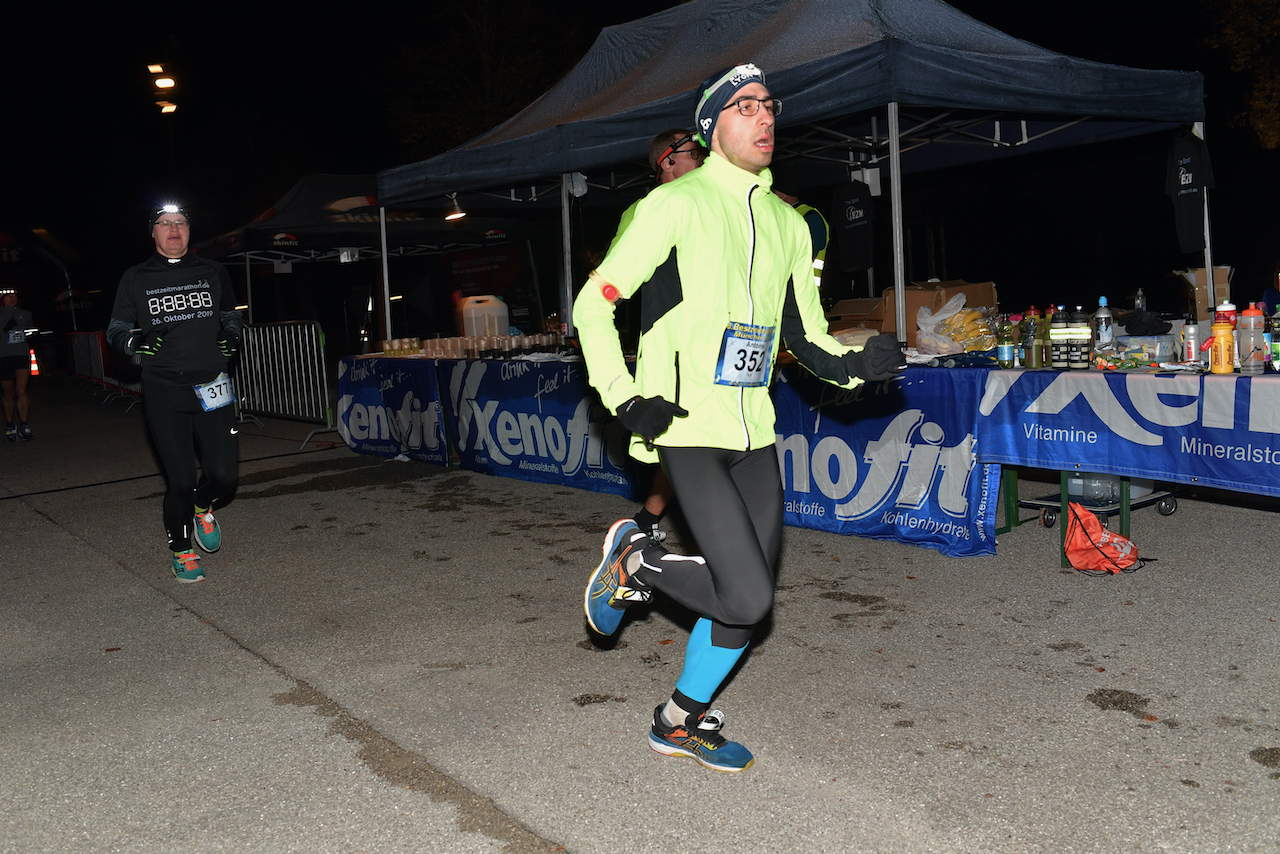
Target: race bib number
{"points": [[216, 393], [16, 336], [745, 355]]}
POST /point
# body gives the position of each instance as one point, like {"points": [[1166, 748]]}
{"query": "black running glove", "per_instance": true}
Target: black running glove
{"points": [[879, 358], [147, 344], [228, 343], [649, 417]]}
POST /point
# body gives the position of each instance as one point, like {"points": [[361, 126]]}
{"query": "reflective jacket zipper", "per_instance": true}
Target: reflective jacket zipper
{"points": [[751, 306]]}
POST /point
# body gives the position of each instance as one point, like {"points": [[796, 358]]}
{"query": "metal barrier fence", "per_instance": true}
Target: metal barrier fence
{"points": [[116, 374], [281, 373]]}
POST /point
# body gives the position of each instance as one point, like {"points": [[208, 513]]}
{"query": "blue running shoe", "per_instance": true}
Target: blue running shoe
{"points": [[700, 739], [208, 534], [609, 590], [186, 567]]}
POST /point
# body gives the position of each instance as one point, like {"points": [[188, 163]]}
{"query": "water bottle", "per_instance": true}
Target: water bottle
{"points": [[1222, 353], [1103, 339], [1191, 342], [1140, 301], [1079, 340], [1032, 339], [1251, 341], [1004, 342], [1058, 333]]}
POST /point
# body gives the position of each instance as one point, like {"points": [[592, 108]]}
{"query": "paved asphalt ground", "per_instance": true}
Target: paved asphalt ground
{"points": [[392, 657]]}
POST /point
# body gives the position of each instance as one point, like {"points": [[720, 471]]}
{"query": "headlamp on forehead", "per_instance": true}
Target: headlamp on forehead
{"points": [[4, 292], [168, 211]]}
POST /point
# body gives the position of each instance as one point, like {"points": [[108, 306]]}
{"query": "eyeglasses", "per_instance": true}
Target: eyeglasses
{"points": [[173, 223], [751, 106]]}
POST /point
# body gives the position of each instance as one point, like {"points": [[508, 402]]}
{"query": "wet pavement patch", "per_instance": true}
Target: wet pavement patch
{"points": [[590, 699], [1267, 757], [1065, 646], [400, 767], [857, 599], [1115, 700]]}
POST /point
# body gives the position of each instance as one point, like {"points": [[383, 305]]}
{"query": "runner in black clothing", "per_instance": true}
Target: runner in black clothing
{"points": [[177, 312]]}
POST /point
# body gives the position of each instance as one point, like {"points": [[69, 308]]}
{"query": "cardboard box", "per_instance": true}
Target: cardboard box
{"points": [[914, 297], [934, 295], [977, 295], [850, 313], [1221, 288]]}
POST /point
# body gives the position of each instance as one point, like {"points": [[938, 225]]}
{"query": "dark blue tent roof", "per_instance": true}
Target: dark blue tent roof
{"points": [[827, 59], [323, 213]]}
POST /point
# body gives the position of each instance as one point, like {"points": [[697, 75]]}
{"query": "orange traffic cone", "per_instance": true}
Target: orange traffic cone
{"points": [[35, 366]]}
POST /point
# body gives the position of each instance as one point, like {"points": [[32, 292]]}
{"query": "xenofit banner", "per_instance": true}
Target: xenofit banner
{"points": [[536, 421], [893, 460], [390, 407], [1216, 430]]}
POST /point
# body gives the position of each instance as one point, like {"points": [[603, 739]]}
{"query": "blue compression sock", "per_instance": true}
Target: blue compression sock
{"points": [[705, 666]]}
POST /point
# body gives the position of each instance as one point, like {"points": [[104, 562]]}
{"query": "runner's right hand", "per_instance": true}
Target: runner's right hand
{"points": [[649, 417], [146, 345]]}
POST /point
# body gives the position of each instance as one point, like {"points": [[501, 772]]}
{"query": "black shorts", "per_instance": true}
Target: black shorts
{"points": [[10, 365]]}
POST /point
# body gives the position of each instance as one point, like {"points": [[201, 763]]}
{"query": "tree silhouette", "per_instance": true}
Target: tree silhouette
{"points": [[1248, 32]]}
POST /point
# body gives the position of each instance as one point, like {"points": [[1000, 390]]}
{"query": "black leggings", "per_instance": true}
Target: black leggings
{"points": [[732, 501], [180, 428]]}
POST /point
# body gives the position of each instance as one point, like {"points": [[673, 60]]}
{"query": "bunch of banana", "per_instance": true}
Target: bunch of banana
{"points": [[970, 328]]}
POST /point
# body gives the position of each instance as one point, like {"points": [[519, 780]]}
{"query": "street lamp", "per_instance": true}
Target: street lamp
{"points": [[164, 87]]}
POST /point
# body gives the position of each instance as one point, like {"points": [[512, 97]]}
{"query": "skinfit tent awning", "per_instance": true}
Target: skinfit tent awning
{"points": [[325, 217]]}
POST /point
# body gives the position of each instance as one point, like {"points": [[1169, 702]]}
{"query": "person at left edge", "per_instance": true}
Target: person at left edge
{"points": [[176, 312], [15, 365]]}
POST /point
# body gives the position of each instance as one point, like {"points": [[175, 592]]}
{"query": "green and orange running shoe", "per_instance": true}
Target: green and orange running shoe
{"points": [[208, 534], [186, 567]]}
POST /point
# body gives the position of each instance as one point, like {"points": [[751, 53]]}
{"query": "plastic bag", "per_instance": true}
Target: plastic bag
{"points": [[931, 342], [954, 329], [1093, 549]]}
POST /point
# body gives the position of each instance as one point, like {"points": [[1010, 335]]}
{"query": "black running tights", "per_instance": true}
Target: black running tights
{"points": [[180, 428], [732, 501]]}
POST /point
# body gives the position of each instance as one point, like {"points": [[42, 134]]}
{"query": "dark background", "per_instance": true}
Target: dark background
{"points": [[269, 93]]}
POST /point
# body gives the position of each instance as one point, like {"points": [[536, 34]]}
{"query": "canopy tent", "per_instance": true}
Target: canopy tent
{"points": [[338, 217], [831, 61]]}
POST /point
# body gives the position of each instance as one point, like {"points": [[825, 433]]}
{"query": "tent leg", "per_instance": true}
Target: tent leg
{"points": [[386, 277], [566, 280], [895, 202], [1198, 130]]}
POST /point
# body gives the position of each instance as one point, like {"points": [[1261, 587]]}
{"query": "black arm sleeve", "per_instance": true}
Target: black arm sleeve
{"points": [[118, 334], [818, 361]]}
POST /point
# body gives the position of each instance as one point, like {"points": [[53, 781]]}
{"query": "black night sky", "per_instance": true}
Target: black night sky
{"points": [[273, 91]]}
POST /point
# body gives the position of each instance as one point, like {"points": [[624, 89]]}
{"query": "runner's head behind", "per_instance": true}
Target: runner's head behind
{"points": [[674, 153]]}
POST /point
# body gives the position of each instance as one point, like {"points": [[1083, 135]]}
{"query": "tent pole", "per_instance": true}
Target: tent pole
{"points": [[248, 284], [1198, 130], [566, 283], [386, 278], [895, 202]]}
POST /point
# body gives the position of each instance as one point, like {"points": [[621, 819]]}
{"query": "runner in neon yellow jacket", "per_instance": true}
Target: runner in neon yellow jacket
{"points": [[721, 249], [726, 271]]}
